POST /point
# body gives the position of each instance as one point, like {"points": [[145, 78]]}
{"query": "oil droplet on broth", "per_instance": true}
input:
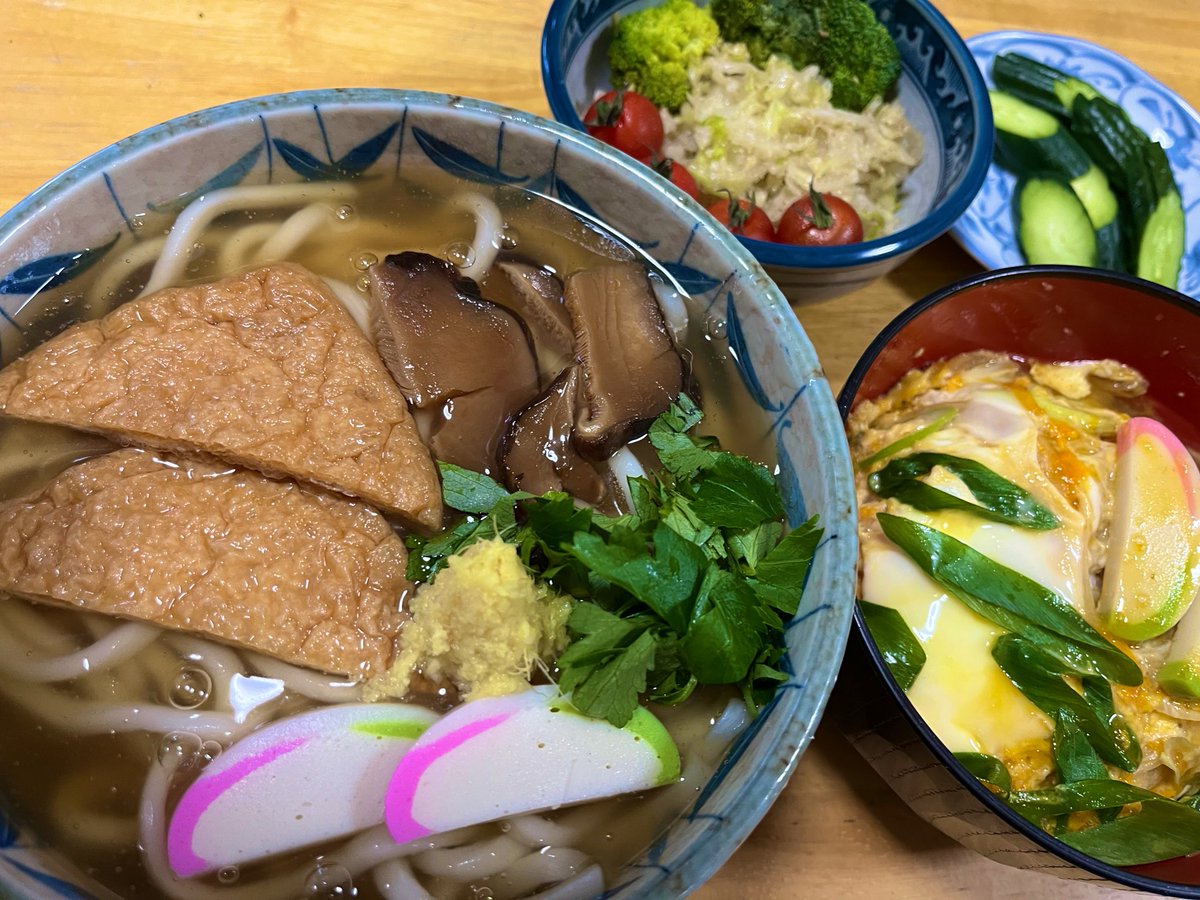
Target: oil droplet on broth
{"points": [[344, 213], [191, 688], [330, 880], [365, 260], [228, 875], [461, 254], [209, 751], [179, 748]]}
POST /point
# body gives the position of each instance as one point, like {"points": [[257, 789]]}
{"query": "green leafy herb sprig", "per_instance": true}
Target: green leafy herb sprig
{"points": [[692, 587]]}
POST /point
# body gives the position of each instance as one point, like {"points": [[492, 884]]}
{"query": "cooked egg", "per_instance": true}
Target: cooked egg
{"points": [[961, 692], [1049, 431]]}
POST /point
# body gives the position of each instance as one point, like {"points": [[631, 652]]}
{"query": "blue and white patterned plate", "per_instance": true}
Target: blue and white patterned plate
{"points": [[986, 228]]}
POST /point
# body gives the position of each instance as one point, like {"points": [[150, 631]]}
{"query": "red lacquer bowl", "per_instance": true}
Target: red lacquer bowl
{"points": [[1047, 313]]}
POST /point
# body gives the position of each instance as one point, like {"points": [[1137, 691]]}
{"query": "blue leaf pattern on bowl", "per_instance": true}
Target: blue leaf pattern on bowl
{"points": [[741, 357], [231, 175], [8, 832], [304, 163], [52, 271], [20, 854], [360, 158], [987, 231], [572, 198], [692, 280], [353, 163], [741, 742], [788, 480], [59, 886], [461, 163]]}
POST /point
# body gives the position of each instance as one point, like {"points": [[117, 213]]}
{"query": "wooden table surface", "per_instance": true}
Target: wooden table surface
{"points": [[80, 74]]}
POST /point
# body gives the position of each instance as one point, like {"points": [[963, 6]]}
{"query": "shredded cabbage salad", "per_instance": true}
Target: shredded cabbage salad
{"points": [[766, 133]]}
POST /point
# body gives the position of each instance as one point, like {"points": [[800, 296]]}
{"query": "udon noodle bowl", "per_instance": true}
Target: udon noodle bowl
{"points": [[109, 718]]}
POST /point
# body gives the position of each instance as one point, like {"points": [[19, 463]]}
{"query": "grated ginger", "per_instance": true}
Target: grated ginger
{"points": [[481, 624]]}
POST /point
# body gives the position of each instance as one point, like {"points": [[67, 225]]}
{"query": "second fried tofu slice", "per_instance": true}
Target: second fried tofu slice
{"points": [[301, 574], [266, 370]]}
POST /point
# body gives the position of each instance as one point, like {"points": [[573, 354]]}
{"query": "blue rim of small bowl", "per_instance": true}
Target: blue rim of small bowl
{"points": [[989, 800], [712, 849], [936, 222]]}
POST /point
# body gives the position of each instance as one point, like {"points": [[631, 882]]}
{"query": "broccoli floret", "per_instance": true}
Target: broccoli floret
{"points": [[652, 49], [841, 37], [858, 56], [789, 28]]}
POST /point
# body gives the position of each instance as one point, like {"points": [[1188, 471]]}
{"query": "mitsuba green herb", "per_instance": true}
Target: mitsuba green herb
{"points": [[692, 587]]}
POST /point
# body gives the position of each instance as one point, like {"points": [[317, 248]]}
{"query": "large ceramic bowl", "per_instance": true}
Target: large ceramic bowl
{"points": [[940, 88], [1047, 313], [70, 224]]}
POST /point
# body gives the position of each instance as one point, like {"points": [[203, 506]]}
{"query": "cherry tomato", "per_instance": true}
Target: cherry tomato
{"points": [[743, 218], [678, 175], [628, 121], [819, 220]]}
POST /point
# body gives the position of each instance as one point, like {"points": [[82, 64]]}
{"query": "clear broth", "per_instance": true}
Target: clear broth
{"points": [[62, 784]]}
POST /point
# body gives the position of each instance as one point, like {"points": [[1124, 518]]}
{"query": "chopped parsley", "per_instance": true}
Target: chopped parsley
{"points": [[692, 587]]}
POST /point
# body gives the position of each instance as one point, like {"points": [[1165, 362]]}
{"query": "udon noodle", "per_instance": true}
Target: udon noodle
{"points": [[106, 720]]}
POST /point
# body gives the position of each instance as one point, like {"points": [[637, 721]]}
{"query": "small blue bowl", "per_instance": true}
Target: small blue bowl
{"points": [[89, 215], [940, 88]]}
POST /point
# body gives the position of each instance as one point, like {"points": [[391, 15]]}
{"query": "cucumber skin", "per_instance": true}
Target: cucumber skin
{"points": [[1111, 247], [1118, 147], [1148, 236], [1059, 154], [1037, 83], [1029, 140], [1164, 237], [1037, 232], [1157, 238], [1160, 250]]}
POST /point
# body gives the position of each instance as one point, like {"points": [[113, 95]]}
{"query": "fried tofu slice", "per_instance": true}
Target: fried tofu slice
{"points": [[298, 573], [265, 370]]}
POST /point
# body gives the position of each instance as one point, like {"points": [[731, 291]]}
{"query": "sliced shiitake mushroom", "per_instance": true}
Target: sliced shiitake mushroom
{"points": [[468, 360], [631, 370], [538, 453]]}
